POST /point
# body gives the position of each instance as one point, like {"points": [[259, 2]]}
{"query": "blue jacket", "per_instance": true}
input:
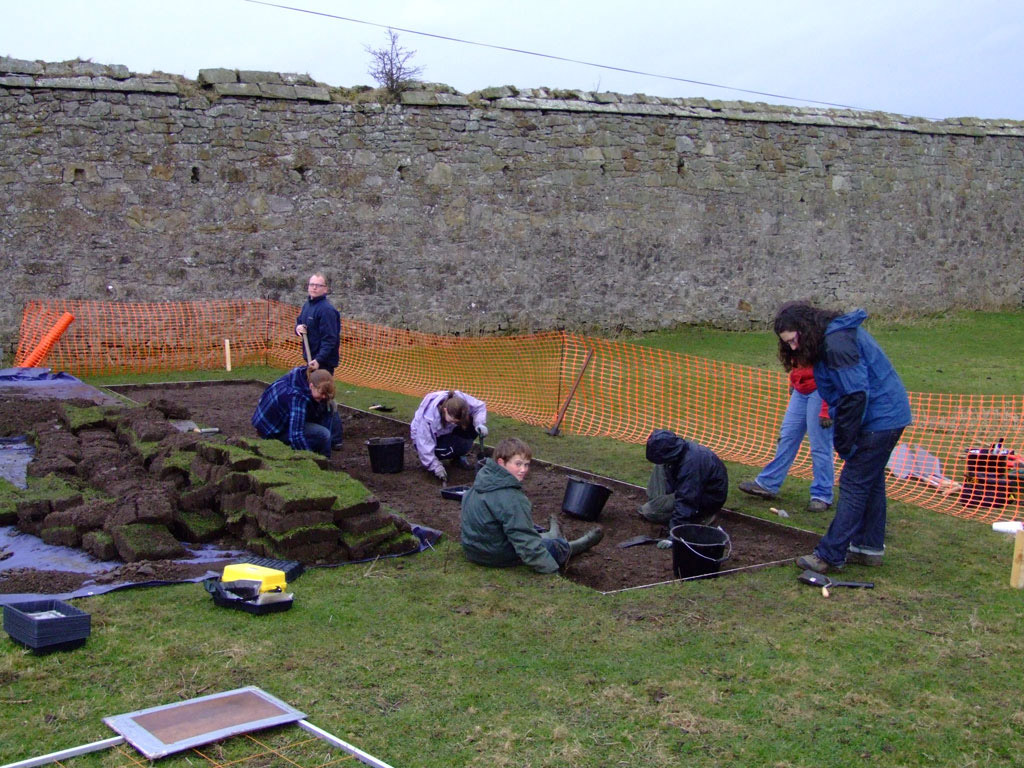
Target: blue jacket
{"points": [[323, 329], [856, 379], [694, 472]]}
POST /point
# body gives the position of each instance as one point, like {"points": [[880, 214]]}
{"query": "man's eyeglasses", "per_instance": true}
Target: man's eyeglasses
{"points": [[317, 285]]}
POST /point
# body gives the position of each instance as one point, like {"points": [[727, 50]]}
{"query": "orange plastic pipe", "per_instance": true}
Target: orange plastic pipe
{"points": [[37, 355]]}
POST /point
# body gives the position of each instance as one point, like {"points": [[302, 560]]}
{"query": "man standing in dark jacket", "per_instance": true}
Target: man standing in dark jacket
{"points": [[321, 323], [689, 483]]}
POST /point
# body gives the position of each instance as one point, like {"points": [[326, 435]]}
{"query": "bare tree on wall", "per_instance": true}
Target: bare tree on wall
{"points": [[390, 66]]}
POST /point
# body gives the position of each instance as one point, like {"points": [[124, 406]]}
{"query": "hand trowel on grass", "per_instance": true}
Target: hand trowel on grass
{"points": [[816, 579]]}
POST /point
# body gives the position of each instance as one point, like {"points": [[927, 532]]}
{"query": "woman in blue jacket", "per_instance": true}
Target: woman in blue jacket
{"points": [[869, 408]]}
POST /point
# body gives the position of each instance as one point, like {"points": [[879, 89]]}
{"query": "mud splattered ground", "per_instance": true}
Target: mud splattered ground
{"points": [[415, 494]]}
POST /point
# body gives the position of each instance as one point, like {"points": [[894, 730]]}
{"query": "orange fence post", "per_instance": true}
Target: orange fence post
{"points": [[43, 348], [565, 406]]}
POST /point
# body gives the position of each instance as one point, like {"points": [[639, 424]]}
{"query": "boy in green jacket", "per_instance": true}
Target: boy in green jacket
{"points": [[497, 520]]}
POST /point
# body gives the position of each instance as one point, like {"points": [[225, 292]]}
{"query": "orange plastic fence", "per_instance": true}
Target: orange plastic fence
{"points": [[626, 391]]}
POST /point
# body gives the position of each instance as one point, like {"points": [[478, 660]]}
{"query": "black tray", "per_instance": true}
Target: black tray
{"points": [[253, 608], [292, 568], [455, 492], [222, 598], [64, 626]]}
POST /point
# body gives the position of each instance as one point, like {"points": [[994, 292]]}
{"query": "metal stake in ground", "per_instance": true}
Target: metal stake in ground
{"points": [[554, 431]]}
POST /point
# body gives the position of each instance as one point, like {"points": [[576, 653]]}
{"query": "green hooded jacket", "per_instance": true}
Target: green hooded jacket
{"points": [[497, 524]]}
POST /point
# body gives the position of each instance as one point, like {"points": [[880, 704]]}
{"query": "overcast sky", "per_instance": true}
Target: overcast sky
{"points": [[945, 58]]}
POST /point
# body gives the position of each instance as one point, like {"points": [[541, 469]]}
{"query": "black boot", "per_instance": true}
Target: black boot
{"points": [[586, 541]]}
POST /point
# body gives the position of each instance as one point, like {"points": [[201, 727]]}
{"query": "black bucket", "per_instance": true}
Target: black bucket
{"points": [[387, 454], [698, 550], [584, 499]]}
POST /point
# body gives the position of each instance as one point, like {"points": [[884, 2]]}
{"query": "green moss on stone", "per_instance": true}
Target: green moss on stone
{"points": [[146, 541], [63, 535], [50, 488], [271, 477], [202, 525], [354, 540], [101, 536], [94, 417], [284, 496], [405, 542], [274, 449], [295, 533], [224, 453], [180, 460], [347, 489], [138, 533], [234, 516], [146, 451], [303, 462], [99, 544]]}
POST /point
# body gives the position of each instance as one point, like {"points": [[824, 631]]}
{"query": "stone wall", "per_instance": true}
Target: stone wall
{"points": [[500, 210]]}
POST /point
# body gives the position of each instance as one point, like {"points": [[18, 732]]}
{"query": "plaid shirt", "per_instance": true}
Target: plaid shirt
{"points": [[282, 409]]}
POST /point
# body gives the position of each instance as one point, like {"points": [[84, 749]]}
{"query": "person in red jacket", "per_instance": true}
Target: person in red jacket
{"points": [[806, 414]]}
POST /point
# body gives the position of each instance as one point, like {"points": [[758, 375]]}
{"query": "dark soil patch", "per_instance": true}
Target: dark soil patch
{"points": [[415, 494]]}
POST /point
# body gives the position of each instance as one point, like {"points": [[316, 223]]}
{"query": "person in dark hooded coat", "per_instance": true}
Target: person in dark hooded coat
{"points": [[688, 484]]}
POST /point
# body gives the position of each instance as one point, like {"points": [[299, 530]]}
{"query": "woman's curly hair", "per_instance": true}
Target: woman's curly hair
{"points": [[809, 323]]}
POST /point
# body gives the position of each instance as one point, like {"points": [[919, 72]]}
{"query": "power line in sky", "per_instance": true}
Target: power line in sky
{"points": [[552, 56]]}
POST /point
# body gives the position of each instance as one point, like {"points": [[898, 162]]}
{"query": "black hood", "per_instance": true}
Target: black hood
{"points": [[664, 447]]}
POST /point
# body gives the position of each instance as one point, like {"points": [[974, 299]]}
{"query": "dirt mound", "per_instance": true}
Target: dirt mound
{"points": [[415, 494]]}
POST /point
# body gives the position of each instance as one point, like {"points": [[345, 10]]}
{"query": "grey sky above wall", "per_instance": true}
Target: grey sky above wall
{"points": [[934, 59]]}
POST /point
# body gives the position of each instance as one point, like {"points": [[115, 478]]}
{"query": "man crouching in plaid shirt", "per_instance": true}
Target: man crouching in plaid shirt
{"points": [[299, 410]]}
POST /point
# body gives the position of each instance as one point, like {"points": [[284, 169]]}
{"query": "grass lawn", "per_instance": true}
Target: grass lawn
{"points": [[431, 661]]}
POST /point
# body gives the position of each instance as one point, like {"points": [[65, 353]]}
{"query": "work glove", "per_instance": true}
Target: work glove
{"points": [[825, 422], [664, 544], [441, 474], [482, 430]]}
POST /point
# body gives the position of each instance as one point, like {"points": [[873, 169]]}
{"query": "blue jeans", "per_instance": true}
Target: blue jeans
{"points": [[324, 433], [802, 418], [860, 514], [456, 443], [558, 548]]}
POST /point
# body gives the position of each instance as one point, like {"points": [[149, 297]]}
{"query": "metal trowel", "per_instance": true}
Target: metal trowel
{"points": [[816, 579], [638, 540], [481, 452]]}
